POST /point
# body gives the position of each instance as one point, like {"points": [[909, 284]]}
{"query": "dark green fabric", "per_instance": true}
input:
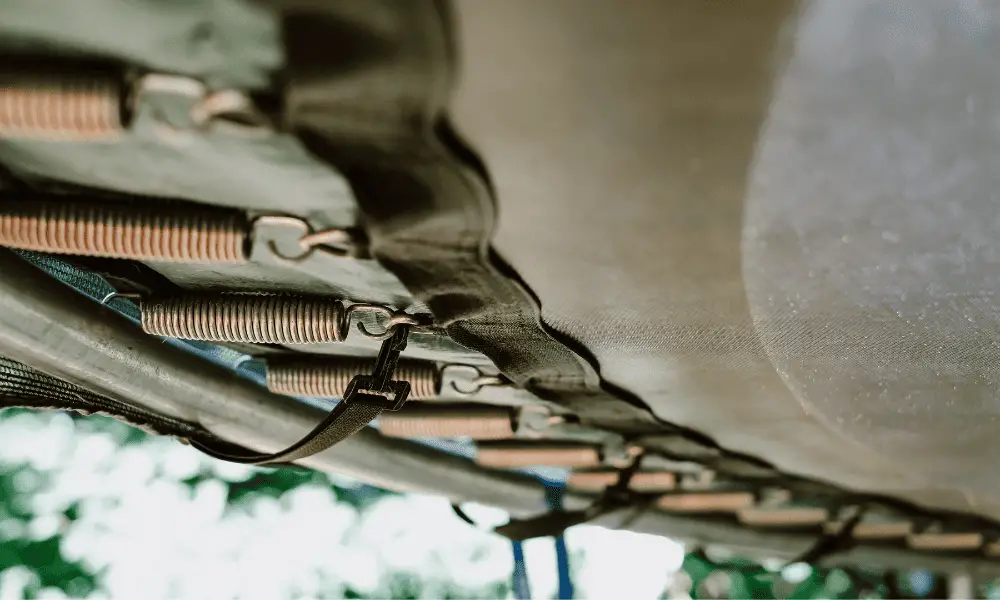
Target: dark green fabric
{"points": [[378, 119]]}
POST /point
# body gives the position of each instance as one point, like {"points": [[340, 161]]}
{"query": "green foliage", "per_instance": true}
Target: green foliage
{"points": [[743, 578], [24, 545], [19, 484], [52, 570], [44, 556]]}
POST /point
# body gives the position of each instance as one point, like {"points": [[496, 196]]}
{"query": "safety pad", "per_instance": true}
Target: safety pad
{"points": [[428, 209]]}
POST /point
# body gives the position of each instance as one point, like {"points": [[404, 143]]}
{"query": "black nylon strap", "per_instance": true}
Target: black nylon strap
{"points": [[342, 422], [830, 544], [354, 412], [555, 522]]}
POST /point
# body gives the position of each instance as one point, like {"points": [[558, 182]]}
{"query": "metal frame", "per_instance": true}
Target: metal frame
{"points": [[51, 327], [47, 325]]}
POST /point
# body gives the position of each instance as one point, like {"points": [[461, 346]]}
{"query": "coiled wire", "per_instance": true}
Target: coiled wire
{"points": [[650, 481], [783, 517], [124, 232], [61, 107], [475, 422], [729, 502], [970, 540], [873, 531], [249, 318], [518, 455], [328, 378]]}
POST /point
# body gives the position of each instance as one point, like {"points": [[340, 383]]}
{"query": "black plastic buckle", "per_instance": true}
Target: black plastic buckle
{"points": [[380, 386]]}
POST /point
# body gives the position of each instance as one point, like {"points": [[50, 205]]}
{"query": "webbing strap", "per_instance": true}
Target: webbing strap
{"points": [[343, 421], [520, 585], [366, 397], [519, 578], [830, 544], [558, 520], [554, 495]]}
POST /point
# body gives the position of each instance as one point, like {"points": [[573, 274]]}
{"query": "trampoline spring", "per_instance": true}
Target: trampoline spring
{"points": [[64, 107], [475, 422], [254, 318], [518, 455], [168, 235], [328, 377]]}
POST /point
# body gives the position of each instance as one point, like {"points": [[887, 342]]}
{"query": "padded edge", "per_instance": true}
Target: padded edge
{"points": [[426, 203]]}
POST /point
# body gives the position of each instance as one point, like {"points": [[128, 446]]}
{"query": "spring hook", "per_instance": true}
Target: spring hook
{"points": [[124, 296], [231, 108], [469, 380], [255, 318], [339, 240], [110, 231], [278, 232], [478, 384], [170, 233], [328, 377], [395, 319], [337, 256], [99, 104]]}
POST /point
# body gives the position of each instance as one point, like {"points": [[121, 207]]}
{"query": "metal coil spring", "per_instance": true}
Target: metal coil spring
{"points": [[872, 531], [61, 108], [970, 540], [758, 516], [651, 481], [329, 378], [476, 422], [249, 318], [123, 232], [706, 502], [513, 456]]}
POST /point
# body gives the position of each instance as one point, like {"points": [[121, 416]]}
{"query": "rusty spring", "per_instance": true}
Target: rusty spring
{"points": [[123, 232], [329, 378], [67, 107], [256, 318]]}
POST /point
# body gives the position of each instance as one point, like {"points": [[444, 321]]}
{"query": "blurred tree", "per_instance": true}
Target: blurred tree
{"points": [[90, 507]]}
